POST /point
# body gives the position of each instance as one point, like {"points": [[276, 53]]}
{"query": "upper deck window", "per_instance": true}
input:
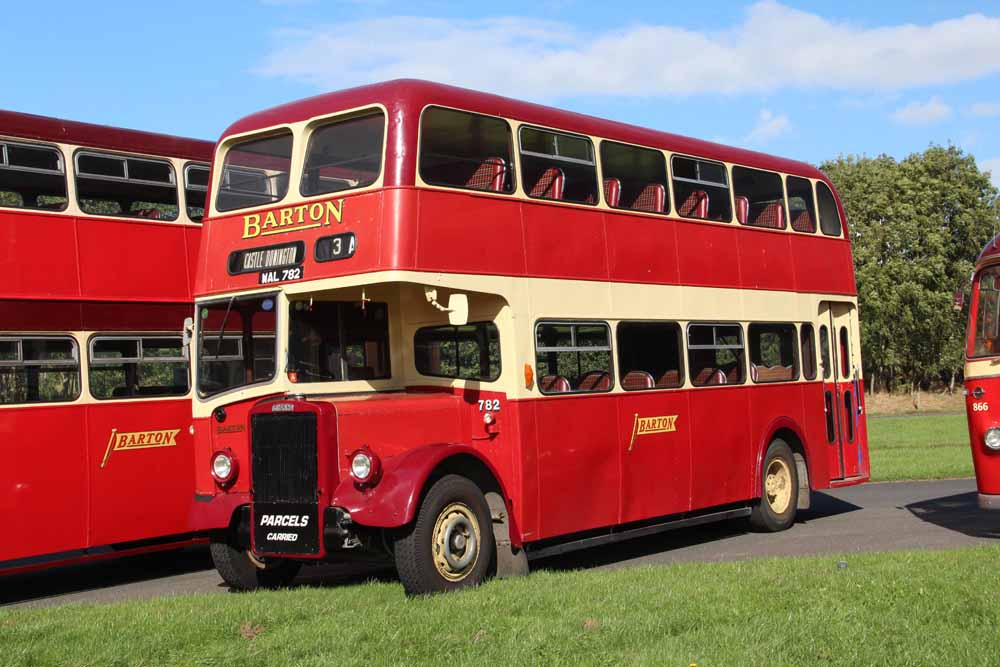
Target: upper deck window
{"points": [[118, 185], [343, 155], [255, 172], [466, 150], [634, 178], [32, 177], [760, 198], [558, 166], [195, 190], [801, 204], [829, 216], [701, 189]]}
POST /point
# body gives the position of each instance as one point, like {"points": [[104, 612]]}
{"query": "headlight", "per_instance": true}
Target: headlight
{"points": [[365, 467], [992, 439], [224, 468]]}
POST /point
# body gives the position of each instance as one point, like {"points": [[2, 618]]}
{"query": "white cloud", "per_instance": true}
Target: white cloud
{"points": [[922, 113], [993, 166], [985, 109], [771, 47], [768, 127]]}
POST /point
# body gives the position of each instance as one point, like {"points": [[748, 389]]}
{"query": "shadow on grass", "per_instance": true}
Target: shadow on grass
{"points": [[959, 512], [99, 575]]}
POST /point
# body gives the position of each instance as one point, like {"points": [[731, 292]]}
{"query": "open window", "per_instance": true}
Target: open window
{"points": [[573, 357], [344, 154], [701, 189], [137, 367], [466, 150], [760, 198], [255, 172], [32, 176], [124, 186], [649, 355], [634, 178], [773, 353], [38, 369], [469, 352], [195, 190], [715, 354], [556, 165]]}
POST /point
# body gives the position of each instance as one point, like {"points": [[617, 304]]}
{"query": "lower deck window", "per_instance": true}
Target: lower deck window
{"points": [[470, 352], [38, 369], [573, 357], [715, 354], [332, 341], [649, 355], [772, 352], [137, 367]]}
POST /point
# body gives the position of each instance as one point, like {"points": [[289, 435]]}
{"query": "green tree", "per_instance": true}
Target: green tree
{"points": [[916, 226]]}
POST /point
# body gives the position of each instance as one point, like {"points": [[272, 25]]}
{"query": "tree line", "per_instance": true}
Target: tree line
{"points": [[917, 226]]}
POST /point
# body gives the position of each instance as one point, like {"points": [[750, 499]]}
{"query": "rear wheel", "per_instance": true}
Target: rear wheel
{"points": [[780, 490], [242, 571], [450, 543]]}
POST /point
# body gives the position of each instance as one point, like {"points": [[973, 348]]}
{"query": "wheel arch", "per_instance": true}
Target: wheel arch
{"points": [[788, 430]]}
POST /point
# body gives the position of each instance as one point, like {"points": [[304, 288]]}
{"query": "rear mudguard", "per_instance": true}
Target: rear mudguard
{"points": [[394, 500]]}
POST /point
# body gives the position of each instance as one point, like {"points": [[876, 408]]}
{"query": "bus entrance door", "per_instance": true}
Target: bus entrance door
{"points": [[840, 387]]}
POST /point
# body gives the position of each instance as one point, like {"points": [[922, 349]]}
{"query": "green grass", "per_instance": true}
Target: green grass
{"points": [[902, 608], [925, 447]]}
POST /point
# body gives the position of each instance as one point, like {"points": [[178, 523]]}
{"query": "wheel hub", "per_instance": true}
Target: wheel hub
{"points": [[778, 486], [456, 542]]}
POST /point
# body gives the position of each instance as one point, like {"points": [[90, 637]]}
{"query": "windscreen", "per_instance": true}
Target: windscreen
{"points": [[236, 343], [986, 327]]}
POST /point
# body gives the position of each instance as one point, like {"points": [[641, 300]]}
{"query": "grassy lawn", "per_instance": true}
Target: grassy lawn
{"points": [[902, 608], [925, 447]]}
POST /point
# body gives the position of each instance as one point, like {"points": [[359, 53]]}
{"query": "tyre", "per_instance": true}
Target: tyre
{"points": [[242, 572], [779, 490], [450, 543]]}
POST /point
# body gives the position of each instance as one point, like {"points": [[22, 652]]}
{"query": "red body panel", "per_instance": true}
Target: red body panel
{"points": [[65, 492], [985, 461]]}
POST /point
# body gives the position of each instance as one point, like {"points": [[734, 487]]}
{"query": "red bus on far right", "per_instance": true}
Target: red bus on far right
{"points": [[982, 375]]}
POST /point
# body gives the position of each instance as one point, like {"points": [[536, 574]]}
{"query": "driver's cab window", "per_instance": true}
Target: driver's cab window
{"points": [[332, 341], [986, 342]]}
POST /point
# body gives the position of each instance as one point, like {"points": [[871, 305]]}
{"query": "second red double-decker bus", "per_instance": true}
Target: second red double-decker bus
{"points": [[462, 330], [99, 230], [982, 375]]}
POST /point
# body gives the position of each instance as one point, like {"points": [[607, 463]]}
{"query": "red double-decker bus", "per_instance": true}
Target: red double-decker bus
{"points": [[461, 330], [99, 228], [982, 374]]}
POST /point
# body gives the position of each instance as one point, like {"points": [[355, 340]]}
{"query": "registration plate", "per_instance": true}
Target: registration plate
{"points": [[286, 528], [281, 275]]}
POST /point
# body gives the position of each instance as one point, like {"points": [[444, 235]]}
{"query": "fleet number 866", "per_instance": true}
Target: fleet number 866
{"points": [[981, 406]]}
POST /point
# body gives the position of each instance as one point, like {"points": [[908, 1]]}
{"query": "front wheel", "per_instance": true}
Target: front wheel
{"points": [[780, 490], [450, 543], [243, 572]]}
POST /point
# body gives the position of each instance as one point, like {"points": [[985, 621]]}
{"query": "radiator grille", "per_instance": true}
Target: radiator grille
{"points": [[284, 457]]}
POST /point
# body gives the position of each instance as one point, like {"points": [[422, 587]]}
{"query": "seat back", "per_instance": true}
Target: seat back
{"points": [[742, 209], [595, 381], [803, 222], [669, 379], [652, 198], [709, 375], [549, 185], [770, 215], [695, 206], [612, 191], [489, 175], [637, 380], [553, 384]]}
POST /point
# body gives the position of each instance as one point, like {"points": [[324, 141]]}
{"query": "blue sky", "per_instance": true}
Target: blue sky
{"points": [[808, 80]]}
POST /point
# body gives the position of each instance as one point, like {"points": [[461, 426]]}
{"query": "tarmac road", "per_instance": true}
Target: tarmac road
{"points": [[871, 517]]}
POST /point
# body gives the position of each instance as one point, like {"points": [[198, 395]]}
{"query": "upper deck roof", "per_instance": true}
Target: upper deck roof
{"points": [[57, 130], [412, 95]]}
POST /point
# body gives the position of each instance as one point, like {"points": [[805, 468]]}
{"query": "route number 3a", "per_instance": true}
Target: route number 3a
{"points": [[982, 406], [490, 404]]}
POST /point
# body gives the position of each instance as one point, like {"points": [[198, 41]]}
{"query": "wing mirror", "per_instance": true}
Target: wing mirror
{"points": [[457, 308]]}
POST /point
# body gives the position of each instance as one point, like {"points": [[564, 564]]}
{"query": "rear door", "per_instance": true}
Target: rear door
{"points": [[841, 377]]}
